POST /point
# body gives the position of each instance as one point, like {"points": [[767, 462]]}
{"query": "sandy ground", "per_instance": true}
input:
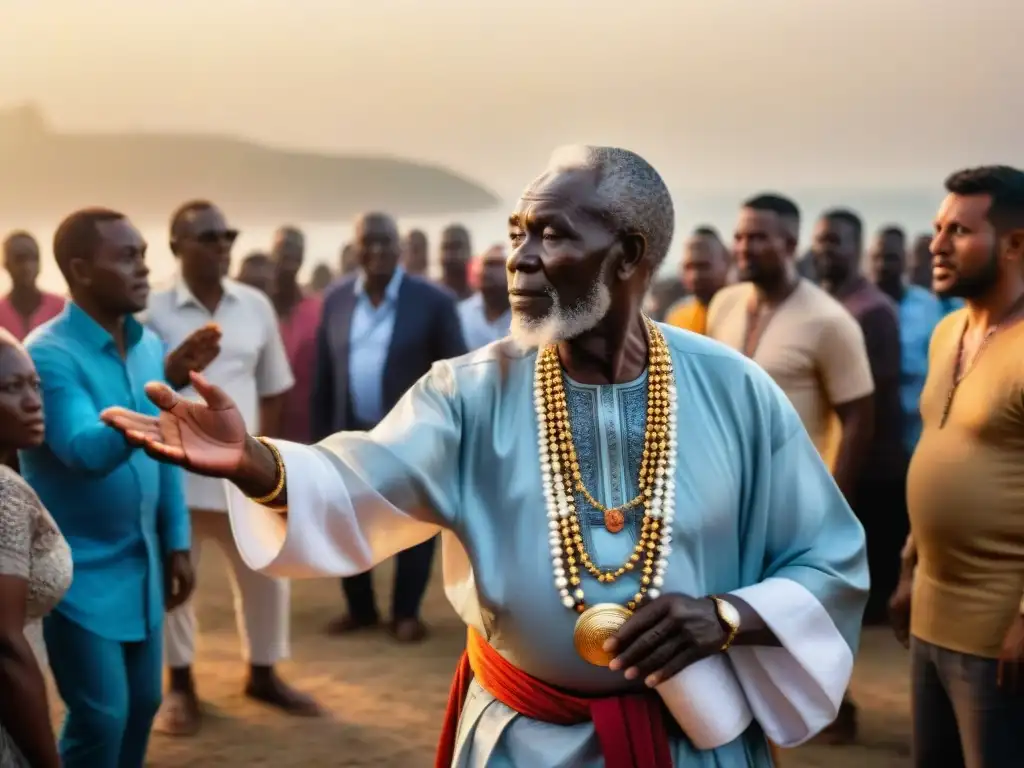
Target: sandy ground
{"points": [[386, 701]]}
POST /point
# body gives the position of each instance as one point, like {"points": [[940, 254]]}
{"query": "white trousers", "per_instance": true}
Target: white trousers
{"points": [[261, 603]]}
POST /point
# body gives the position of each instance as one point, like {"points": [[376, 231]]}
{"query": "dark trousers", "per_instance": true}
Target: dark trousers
{"points": [[412, 573], [962, 718], [881, 506]]}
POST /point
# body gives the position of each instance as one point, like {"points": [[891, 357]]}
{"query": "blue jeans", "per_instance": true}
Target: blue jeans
{"points": [[112, 691], [962, 718]]}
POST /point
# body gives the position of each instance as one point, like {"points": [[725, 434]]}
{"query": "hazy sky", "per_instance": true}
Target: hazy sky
{"points": [[717, 93]]}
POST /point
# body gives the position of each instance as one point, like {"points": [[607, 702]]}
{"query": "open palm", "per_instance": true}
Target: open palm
{"points": [[207, 438]]}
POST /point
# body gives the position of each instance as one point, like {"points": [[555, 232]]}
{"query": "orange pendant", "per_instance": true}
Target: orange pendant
{"points": [[614, 520]]}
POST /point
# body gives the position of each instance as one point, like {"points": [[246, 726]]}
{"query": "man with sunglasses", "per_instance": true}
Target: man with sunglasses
{"points": [[253, 367]]}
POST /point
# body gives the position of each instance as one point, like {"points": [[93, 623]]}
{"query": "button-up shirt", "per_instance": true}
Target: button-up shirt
{"points": [[920, 311], [477, 330], [120, 511], [369, 340], [252, 363]]}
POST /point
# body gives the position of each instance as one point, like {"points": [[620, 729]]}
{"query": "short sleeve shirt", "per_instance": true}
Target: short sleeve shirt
{"points": [[252, 363], [813, 349]]}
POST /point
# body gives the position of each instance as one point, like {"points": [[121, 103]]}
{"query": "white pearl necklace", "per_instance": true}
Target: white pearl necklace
{"points": [[557, 490]]}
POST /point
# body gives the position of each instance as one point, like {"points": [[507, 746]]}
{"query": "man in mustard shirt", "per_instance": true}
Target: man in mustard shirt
{"points": [[705, 270]]}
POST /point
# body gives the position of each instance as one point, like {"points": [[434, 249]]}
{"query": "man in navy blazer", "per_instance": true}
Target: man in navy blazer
{"points": [[381, 331]]}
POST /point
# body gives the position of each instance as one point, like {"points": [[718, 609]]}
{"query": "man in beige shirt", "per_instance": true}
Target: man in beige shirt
{"points": [[806, 340]]}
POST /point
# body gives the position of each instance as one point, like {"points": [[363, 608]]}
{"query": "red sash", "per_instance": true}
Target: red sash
{"points": [[631, 729]]}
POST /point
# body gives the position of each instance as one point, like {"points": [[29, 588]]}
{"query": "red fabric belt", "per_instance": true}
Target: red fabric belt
{"points": [[631, 728]]}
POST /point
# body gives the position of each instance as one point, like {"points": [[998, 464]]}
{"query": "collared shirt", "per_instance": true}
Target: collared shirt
{"points": [[298, 331], [252, 363], [689, 314], [50, 305], [369, 340], [119, 510], [920, 312], [477, 330]]}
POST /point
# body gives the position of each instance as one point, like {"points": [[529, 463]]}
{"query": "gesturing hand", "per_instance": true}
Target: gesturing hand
{"points": [[179, 579], [665, 636], [206, 438], [193, 355], [899, 610]]}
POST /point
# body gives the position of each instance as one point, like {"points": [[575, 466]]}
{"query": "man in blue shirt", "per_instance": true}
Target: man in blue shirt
{"points": [[919, 313], [122, 513]]}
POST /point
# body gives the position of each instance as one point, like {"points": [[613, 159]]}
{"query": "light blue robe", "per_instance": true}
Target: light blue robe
{"points": [[757, 513]]}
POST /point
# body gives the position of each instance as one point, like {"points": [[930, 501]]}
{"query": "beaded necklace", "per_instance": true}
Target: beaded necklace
{"points": [[561, 478]]}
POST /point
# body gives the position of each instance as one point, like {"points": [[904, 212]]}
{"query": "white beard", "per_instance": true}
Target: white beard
{"points": [[560, 323]]}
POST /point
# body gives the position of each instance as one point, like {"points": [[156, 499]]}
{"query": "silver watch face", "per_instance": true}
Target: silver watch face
{"points": [[729, 614]]}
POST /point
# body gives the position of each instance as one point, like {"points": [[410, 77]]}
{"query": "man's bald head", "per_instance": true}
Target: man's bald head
{"points": [[633, 196]]}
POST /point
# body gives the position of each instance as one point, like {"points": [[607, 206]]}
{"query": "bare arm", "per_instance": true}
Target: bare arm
{"points": [[858, 420], [23, 707], [753, 630], [908, 558]]}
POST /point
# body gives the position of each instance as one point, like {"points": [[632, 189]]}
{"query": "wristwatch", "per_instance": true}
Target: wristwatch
{"points": [[729, 618]]}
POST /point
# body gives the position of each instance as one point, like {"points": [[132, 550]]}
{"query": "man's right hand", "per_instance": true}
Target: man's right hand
{"points": [[899, 610], [208, 438], [194, 354]]}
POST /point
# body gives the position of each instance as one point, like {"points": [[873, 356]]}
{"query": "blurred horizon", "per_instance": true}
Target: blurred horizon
{"points": [[830, 103], [716, 95]]}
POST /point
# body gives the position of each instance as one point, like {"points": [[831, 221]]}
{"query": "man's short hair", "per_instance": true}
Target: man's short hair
{"points": [[635, 197], [848, 217], [1003, 183], [290, 231], [770, 202], [184, 212], [706, 230], [78, 237], [18, 234], [256, 257], [893, 230]]}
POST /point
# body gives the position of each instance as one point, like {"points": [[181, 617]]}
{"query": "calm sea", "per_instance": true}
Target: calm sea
{"points": [[913, 211]]}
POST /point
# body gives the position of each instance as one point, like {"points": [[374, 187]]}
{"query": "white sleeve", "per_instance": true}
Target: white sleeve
{"points": [[357, 498]]}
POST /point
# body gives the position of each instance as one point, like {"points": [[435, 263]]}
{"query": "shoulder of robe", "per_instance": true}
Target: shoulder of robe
{"points": [[492, 365]]}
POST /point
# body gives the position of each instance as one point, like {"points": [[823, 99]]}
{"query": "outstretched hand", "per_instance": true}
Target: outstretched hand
{"points": [[207, 438]]}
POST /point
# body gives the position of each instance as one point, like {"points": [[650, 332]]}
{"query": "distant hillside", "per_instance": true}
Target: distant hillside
{"points": [[147, 175]]}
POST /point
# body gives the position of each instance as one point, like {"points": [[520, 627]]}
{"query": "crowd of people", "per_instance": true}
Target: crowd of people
{"points": [[390, 407]]}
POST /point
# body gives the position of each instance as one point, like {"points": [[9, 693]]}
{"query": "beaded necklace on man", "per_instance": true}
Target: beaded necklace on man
{"points": [[561, 478]]}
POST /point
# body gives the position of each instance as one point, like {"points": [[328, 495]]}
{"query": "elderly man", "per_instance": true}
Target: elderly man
{"points": [[583, 627]]}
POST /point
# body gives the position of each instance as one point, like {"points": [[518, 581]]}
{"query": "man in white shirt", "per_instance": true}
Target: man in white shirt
{"points": [[486, 315], [253, 367]]}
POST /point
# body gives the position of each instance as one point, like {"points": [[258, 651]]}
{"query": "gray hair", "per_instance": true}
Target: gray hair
{"points": [[633, 193]]}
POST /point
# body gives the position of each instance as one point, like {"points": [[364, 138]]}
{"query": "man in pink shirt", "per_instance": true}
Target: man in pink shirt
{"points": [[299, 317], [25, 307]]}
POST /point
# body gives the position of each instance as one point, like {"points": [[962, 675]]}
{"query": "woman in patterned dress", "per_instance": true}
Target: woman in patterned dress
{"points": [[35, 572]]}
